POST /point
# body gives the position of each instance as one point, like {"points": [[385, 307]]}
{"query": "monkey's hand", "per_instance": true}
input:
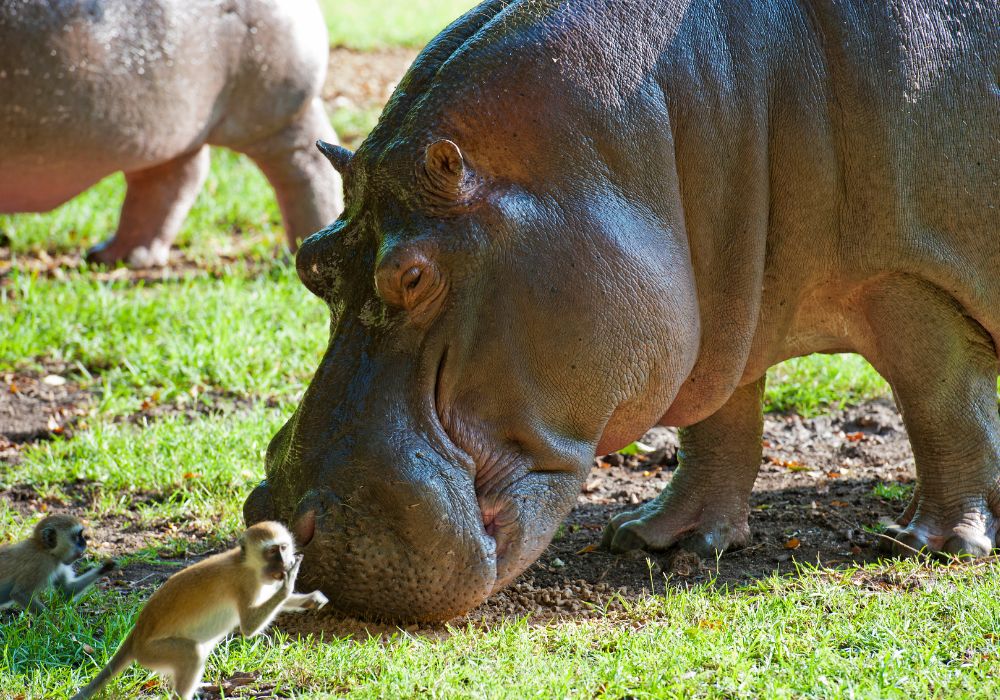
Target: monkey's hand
{"points": [[108, 566], [288, 585], [314, 601]]}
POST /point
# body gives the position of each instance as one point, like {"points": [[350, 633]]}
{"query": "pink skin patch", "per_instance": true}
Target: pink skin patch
{"points": [[305, 528]]}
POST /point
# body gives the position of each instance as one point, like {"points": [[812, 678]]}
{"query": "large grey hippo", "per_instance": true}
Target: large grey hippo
{"points": [[577, 219], [91, 87]]}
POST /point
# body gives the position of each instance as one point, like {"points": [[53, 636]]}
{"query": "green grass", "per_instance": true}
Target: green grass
{"points": [[221, 354], [908, 631], [366, 25]]}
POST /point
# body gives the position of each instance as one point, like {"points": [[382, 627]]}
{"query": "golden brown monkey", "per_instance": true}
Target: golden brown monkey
{"points": [[28, 568], [197, 607]]}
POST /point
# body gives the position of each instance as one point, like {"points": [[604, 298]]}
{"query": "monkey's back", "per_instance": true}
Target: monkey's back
{"points": [[198, 603]]}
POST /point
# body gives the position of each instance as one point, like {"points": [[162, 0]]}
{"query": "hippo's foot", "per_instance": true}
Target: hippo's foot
{"points": [[704, 524], [706, 506], [156, 201], [110, 253], [970, 530]]}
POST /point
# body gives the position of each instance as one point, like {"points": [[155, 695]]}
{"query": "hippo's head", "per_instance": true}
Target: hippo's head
{"points": [[496, 320]]}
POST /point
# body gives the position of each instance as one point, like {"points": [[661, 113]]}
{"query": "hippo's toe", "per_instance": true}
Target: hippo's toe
{"points": [[668, 521]]}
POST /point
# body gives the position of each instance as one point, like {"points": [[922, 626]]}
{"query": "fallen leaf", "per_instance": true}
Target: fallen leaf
{"points": [[855, 437], [793, 543], [840, 504], [191, 475], [709, 624], [636, 448], [588, 549], [88, 649], [14, 389]]}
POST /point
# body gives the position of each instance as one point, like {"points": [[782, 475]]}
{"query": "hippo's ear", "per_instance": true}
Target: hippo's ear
{"points": [[339, 157], [444, 171]]}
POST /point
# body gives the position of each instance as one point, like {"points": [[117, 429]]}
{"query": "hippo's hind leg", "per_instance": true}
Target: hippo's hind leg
{"points": [[156, 202], [307, 187], [942, 366], [706, 506]]}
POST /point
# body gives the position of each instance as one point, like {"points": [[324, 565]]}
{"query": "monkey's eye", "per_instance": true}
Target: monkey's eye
{"points": [[284, 547]]}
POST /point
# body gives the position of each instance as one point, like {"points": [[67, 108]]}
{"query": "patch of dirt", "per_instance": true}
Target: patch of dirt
{"points": [[37, 407], [363, 80], [813, 502]]}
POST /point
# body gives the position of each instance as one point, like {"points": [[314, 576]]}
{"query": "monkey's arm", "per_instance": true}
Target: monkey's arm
{"points": [[254, 619], [74, 585], [305, 601]]}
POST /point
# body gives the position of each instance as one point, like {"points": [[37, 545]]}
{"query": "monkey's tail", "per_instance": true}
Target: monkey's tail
{"points": [[118, 663]]}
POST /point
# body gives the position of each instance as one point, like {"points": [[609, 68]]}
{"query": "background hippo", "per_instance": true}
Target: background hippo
{"points": [[90, 87], [575, 220]]}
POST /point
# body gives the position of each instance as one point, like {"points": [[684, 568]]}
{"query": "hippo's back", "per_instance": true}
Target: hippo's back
{"points": [[96, 86]]}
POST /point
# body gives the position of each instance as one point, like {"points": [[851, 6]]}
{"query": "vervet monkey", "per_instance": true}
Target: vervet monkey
{"points": [[28, 568], [195, 608]]}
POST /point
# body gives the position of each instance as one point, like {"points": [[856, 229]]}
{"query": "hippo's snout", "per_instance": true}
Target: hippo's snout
{"points": [[383, 559]]}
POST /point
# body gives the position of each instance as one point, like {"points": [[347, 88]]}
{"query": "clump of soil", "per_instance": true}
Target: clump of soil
{"points": [[37, 407]]}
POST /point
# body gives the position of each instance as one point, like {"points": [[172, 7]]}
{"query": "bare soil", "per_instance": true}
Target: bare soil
{"points": [[813, 502]]}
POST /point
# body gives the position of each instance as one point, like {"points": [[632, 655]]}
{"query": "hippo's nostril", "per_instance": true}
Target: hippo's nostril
{"points": [[305, 528]]}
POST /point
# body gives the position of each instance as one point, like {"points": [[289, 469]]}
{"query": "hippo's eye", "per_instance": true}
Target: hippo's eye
{"points": [[409, 281]]}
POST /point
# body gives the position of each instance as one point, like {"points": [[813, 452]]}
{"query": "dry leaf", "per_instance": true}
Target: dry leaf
{"points": [[840, 504], [855, 437], [833, 475], [588, 549], [14, 389], [191, 475]]}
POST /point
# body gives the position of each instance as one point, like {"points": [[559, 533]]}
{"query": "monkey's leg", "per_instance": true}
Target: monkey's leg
{"points": [[180, 657], [942, 366], [706, 505], [156, 203], [27, 601], [308, 189]]}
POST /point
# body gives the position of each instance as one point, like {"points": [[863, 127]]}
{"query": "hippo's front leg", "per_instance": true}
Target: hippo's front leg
{"points": [[706, 505], [942, 366], [156, 202]]}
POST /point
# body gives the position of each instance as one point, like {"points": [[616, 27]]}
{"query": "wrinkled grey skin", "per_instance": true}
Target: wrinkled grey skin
{"points": [[91, 87], [578, 219]]}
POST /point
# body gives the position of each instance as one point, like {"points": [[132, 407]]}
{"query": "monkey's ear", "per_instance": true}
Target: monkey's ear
{"points": [[339, 157], [50, 538]]}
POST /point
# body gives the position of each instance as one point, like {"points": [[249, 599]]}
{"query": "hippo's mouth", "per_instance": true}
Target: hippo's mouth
{"points": [[499, 513], [451, 451]]}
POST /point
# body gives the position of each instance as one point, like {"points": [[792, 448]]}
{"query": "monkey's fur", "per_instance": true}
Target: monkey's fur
{"points": [[28, 568], [195, 608]]}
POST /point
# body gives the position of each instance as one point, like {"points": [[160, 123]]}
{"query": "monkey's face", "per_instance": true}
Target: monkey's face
{"points": [[278, 559], [67, 544]]}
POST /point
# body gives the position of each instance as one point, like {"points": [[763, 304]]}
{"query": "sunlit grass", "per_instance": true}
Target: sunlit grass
{"points": [[363, 25]]}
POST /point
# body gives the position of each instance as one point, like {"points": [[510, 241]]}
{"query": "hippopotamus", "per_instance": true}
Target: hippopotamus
{"points": [[92, 87], [576, 220]]}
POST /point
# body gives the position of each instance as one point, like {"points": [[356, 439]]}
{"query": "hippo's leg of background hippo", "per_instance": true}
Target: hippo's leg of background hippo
{"points": [[942, 367], [307, 187], [705, 507], [156, 201]]}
